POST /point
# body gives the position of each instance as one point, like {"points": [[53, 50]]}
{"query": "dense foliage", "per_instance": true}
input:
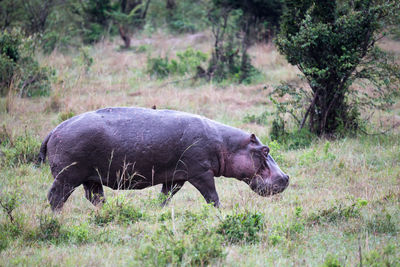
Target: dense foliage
{"points": [[333, 43]]}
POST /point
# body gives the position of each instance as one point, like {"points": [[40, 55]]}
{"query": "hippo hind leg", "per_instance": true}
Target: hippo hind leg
{"points": [[59, 193], [94, 192], [169, 189]]}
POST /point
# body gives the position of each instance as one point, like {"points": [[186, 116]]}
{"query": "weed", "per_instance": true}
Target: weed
{"points": [[78, 233], [241, 227], [8, 203], [308, 158], [383, 257], [63, 116], [328, 155], [331, 261], [198, 248], [337, 213], [261, 119], [49, 228], [382, 223], [117, 209], [3, 240]]}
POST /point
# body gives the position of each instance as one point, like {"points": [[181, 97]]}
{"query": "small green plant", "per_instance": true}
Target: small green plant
{"points": [[9, 202], [3, 241], [78, 233], [241, 227], [328, 155], [63, 116], [117, 209], [308, 157], [49, 228], [275, 239], [331, 261]]}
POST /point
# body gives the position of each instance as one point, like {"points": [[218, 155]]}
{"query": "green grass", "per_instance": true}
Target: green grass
{"points": [[343, 197]]}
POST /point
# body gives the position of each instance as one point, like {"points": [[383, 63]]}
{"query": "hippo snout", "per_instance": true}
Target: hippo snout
{"points": [[271, 187]]}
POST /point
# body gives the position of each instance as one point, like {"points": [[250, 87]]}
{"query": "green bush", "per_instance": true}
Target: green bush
{"points": [[13, 226], [331, 261], [78, 234], [241, 227], [186, 63], [17, 64], [22, 149], [291, 140], [49, 228], [119, 210], [195, 248], [158, 67]]}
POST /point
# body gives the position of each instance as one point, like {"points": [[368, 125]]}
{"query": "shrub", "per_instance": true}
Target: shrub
{"points": [[119, 210], [331, 261], [22, 149], [241, 227], [196, 248], [382, 223], [3, 240], [187, 62], [18, 65], [9, 201], [49, 228], [78, 233]]}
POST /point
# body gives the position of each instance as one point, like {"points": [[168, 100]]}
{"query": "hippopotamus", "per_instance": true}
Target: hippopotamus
{"points": [[134, 148]]}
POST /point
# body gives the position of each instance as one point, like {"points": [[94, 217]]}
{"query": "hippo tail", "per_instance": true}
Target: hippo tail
{"points": [[43, 150]]}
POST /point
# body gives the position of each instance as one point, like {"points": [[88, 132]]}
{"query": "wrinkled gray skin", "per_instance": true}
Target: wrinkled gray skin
{"points": [[134, 148]]}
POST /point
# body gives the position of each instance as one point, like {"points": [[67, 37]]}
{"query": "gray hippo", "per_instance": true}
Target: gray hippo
{"points": [[134, 148]]}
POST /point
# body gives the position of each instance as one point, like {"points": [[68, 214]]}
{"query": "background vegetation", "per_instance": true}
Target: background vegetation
{"points": [[217, 59]]}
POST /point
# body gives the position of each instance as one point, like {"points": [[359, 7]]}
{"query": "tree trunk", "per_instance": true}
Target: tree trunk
{"points": [[125, 37], [245, 45]]}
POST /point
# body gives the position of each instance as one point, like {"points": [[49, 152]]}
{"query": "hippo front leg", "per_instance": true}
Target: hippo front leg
{"points": [[169, 189], [206, 185]]}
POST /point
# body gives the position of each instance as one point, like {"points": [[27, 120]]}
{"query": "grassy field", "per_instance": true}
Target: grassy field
{"points": [[342, 206]]}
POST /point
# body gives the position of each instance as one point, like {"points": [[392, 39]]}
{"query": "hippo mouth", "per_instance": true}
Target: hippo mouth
{"points": [[265, 189]]}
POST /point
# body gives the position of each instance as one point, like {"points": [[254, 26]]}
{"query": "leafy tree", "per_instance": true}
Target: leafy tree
{"points": [[129, 14], [333, 43], [249, 15]]}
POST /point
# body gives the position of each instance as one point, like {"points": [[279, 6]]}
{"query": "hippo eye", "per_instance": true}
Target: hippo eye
{"points": [[265, 150]]}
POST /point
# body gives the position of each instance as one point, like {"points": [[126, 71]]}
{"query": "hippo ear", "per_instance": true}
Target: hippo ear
{"points": [[253, 138]]}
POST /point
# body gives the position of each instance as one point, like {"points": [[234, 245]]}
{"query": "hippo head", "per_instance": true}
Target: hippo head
{"points": [[252, 164]]}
